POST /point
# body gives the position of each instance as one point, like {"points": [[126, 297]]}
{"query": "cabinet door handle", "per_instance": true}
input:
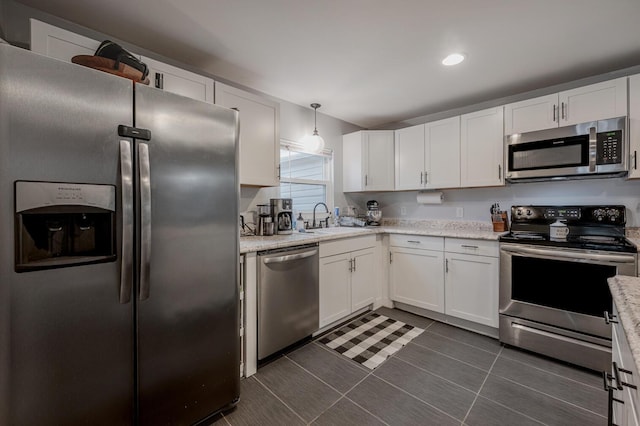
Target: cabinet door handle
{"points": [[499, 172], [413, 241], [366, 180], [609, 318], [616, 375], [446, 266], [421, 178], [554, 113], [564, 114], [426, 178], [635, 158], [354, 264], [469, 247], [350, 265], [390, 257], [159, 80]]}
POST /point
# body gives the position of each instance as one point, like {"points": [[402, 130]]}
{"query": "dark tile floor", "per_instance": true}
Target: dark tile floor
{"points": [[445, 376]]}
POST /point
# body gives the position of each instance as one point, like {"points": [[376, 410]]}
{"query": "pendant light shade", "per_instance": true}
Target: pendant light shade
{"points": [[314, 143]]}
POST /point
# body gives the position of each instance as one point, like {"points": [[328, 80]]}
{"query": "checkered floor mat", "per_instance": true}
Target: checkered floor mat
{"points": [[371, 339]]}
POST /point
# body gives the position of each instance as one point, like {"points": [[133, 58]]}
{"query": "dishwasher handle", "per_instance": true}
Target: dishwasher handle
{"points": [[290, 257]]}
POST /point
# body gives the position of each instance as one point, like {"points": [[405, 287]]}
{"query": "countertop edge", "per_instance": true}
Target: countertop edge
{"points": [[625, 292], [254, 244]]}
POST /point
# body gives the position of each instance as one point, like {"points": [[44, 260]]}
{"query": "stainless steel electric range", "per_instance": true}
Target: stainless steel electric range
{"points": [[553, 288]]}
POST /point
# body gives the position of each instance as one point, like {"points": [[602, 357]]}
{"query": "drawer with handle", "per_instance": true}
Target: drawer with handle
{"points": [[468, 246], [416, 242]]}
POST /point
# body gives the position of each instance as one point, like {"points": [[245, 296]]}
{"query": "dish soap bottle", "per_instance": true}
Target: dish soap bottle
{"points": [[300, 222]]}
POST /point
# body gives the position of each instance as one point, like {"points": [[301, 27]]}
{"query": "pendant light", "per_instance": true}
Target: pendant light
{"points": [[314, 143]]}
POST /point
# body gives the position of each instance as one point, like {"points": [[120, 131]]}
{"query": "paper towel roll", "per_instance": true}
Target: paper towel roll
{"points": [[430, 197]]}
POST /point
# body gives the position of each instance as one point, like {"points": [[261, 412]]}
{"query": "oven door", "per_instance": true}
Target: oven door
{"points": [[561, 287]]}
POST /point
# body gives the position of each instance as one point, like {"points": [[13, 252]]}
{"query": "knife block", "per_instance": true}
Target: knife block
{"points": [[501, 225]]}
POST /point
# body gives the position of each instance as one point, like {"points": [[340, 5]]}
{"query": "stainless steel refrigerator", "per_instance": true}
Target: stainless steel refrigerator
{"points": [[118, 249]]}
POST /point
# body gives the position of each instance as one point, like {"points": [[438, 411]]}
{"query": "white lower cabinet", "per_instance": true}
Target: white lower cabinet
{"points": [[335, 288], [624, 396], [471, 288], [348, 279], [456, 277], [416, 273]]}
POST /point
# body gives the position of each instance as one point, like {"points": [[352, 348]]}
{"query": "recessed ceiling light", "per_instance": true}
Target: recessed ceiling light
{"points": [[453, 59]]}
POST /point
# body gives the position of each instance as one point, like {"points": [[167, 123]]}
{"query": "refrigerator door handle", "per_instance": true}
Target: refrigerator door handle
{"points": [[126, 260], [145, 220]]}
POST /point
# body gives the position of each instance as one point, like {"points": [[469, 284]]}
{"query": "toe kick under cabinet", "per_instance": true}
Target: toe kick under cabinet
{"points": [[451, 276]]}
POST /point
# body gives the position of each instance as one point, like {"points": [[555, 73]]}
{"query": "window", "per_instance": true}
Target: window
{"points": [[306, 178]]}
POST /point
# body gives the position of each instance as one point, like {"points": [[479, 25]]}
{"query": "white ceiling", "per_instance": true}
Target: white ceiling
{"points": [[371, 62]]}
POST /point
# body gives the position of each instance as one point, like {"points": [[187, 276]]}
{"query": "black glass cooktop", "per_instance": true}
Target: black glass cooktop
{"points": [[600, 227]]}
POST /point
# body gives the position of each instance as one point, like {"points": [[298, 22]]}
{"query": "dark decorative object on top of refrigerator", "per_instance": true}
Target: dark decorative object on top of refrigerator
{"points": [[118, 267]]}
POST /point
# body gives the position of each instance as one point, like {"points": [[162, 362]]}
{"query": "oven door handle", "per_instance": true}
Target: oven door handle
{"points": [[560, 254]]}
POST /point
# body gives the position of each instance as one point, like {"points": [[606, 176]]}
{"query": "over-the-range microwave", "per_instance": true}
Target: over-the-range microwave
{"points": [[594, 149]]}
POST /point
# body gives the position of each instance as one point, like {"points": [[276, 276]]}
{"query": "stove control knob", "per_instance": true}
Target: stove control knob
{"points": [[598, 214]]}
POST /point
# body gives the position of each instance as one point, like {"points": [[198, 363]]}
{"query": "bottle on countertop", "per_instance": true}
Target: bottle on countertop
{"points": [[300, 222]]}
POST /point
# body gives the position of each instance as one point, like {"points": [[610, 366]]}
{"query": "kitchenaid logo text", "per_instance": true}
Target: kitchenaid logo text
{"points": [[62, 188]]}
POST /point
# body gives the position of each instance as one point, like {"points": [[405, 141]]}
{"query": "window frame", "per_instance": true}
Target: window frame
{"points": [[327, 154]]}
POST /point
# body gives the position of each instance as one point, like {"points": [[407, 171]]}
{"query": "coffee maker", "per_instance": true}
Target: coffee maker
{"points": [[282, 214], [374, 214], [265, 222]]}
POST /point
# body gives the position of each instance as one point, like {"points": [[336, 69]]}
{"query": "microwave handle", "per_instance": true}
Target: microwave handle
{"points": [[593, 142]]}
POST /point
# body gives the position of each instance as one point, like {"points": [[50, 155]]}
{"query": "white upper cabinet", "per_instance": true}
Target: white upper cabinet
{"points": [[58, 43], [442, 154], [634, 125], [64, 45], [181, 82], [259, 135], [481, 148], [531, 114], [595, 102], [598, 101], [427, 156], [409, 157], [367, 160]]}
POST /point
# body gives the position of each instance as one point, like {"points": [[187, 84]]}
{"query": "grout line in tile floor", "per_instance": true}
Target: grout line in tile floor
{"points": [[450, 357], [415, 397], [342, 395], [481, 386], [550, 396], [549, 372], [280, 399], [499, 355]]}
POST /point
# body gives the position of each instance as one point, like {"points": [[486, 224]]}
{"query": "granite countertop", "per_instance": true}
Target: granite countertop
{"points": [[625, 292], [437, 228]]}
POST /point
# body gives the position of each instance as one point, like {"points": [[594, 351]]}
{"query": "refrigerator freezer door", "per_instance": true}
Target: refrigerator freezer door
{"points": [[188, 319], [66, 341]]}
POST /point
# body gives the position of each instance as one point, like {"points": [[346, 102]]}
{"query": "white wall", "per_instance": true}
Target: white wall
{"points": [[477, 201]]}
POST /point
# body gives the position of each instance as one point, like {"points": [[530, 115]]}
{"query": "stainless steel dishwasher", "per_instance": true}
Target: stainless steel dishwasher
{"points": [[288, 307]]}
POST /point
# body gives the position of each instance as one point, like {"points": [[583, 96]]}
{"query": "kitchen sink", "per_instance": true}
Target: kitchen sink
{"points": [[338, 230]]}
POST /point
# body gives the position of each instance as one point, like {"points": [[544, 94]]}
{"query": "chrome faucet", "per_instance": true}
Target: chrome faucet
{"points": [[313, 224]]}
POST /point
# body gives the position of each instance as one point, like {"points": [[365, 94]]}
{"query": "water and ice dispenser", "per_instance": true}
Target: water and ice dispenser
{"points": [[64, 224]]}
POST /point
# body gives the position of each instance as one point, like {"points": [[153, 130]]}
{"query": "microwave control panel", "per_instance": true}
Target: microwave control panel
{"points": [[609, 147]]}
